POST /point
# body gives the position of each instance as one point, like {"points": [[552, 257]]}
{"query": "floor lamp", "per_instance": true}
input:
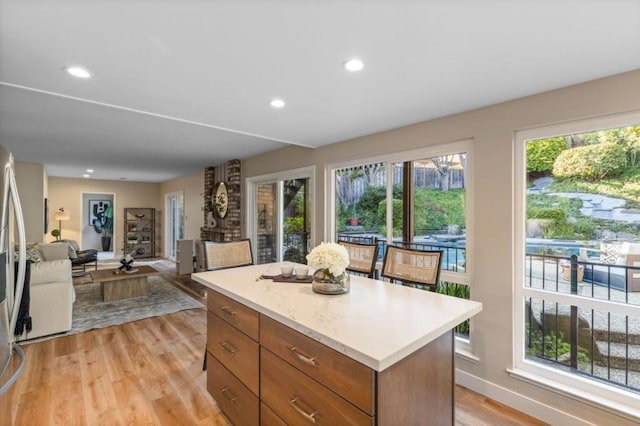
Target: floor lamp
{"points": [[60, 215]]}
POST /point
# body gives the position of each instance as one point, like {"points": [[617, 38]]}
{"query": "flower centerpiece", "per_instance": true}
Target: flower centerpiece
{"points": [[330, 261]]}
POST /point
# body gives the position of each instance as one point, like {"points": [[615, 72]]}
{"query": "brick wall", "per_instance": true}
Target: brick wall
{"points": [[227, 229]]}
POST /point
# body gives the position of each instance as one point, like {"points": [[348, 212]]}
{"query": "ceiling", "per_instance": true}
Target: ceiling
{"points": [[181, 85]]}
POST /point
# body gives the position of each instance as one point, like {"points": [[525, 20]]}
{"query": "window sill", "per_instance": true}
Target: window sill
{"points": [[467, 355], [629, 412]]}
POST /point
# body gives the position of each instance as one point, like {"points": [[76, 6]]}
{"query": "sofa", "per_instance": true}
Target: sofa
{"points": [[51, 290], [80, 258]]}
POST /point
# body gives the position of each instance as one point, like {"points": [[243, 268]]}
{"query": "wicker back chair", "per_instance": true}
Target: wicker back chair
{"points": [[227, 254], [413, 267], [362, 258], [223, 255]]}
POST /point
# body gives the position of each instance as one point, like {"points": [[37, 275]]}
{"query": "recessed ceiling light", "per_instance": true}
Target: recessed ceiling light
{"points": [[78, 72], [86, 175], [353, 65], [89, 170], [277, 103]]}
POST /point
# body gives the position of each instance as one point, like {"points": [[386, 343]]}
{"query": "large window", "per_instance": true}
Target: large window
{"points": [[417, 200], [578, 243]]}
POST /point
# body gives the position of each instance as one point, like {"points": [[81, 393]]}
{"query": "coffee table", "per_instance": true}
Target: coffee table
{"points": [[116, 285]]}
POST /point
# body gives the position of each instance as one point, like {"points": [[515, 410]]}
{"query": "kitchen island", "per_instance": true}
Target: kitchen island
{"points": [[278, 353]]}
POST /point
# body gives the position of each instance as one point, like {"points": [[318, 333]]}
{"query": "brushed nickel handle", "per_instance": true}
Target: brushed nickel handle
{"points": [[228, 347], [228, 395], [228, 311], [302, 357], [311, 417]]}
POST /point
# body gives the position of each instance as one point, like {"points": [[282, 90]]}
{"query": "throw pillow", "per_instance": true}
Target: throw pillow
{"points": [[74, 244], [609, 253], [72, 252], [33, 255]]}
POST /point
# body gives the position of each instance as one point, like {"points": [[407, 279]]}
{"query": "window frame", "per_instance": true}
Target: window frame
{"points": [[278, 178], [463, 346], [587, 390]]}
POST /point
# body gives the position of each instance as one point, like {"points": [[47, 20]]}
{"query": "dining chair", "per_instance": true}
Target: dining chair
{"points": [[362, 258], [223, 255], [227, 254], [413, 267]]}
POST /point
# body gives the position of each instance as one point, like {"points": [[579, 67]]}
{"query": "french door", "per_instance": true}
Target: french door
{"points": [[280, 216], [174, 220]]}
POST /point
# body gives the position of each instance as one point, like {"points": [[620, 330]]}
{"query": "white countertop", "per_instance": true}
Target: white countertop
{"points": [[376, 323]]}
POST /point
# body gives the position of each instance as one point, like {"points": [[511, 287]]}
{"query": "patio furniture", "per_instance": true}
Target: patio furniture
{"points": [[362, 258], [617, 260], [413, 267]]}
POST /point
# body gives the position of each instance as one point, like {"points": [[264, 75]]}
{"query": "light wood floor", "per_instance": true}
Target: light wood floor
{"points": [[149, 372]]}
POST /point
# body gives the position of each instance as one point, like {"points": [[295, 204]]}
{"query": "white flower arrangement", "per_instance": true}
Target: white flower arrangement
{"points": [[329, 256]]}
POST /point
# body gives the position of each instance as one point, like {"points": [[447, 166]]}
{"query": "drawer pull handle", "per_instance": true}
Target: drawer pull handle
{"points": [[228, 311], [311, 417], [301, 357], [228, 395], [228, 347]]}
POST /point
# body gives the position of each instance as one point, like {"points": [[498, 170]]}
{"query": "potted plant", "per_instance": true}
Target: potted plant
{"points": [[103, 224], [56, 233]]}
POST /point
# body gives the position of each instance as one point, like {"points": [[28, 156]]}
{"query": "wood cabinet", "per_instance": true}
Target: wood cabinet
{"points": [[184, 257], [140, 231], [264, 372], [233, 358]]}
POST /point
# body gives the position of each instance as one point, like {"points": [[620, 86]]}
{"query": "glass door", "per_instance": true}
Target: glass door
{"points": [[174, 207], [279, 216], [296, 220], [267, 223]]}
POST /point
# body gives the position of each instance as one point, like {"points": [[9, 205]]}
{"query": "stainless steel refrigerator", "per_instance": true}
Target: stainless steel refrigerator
{"points": [[12, 237]]}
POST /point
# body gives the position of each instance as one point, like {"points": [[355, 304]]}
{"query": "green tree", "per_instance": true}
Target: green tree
{"points": [[542, 153]]}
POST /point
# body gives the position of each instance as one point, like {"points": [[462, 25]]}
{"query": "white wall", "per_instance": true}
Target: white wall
{"points": [[193, 188], [30, 178]]}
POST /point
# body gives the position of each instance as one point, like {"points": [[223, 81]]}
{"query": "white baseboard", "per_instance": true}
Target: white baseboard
{"points": [[540, 411]]}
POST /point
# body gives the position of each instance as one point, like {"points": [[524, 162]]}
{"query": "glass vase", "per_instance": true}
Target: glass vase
{"points": [[326, 283]]}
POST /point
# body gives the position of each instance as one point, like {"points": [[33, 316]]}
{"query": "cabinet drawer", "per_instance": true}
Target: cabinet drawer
{"points": [[236, 314], [234, 399], [297, 398], [343, 375], [268, 417], [235, 350]]}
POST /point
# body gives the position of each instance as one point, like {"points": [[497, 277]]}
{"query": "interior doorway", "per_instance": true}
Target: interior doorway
{"points": [[97, 224]]}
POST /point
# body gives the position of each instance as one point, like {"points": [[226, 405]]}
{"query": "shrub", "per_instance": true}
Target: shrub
{"points": [[590, 162], [558, 215], [542, 153], [293, 224], [397, 216]]}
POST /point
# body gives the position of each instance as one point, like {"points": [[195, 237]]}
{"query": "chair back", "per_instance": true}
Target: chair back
{"points": [[412, 266], [227, 254], [362, 258]]}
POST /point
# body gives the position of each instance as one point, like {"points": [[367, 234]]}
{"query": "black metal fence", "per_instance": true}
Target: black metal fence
{"points": [[598, 344]]}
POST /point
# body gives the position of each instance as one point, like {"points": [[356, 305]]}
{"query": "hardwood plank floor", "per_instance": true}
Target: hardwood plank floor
{"points": [[149, 372]]}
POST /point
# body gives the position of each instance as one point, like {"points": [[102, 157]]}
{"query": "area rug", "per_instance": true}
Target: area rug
{"points": [[89, 311]]}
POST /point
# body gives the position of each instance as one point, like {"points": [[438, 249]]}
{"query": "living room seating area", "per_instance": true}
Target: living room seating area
{"points": [[51, 290]]}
